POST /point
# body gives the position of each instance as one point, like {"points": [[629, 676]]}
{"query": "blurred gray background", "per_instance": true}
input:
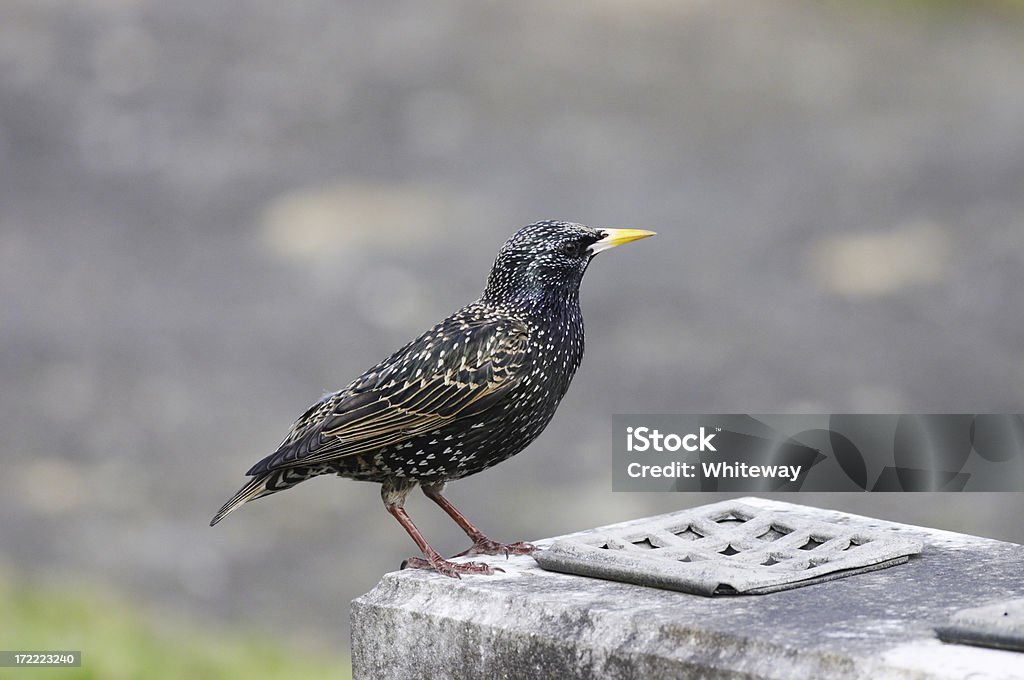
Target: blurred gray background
{"points": [[211, 213]]}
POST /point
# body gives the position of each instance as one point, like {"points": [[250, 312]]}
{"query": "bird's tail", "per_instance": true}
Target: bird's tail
{"points": [[253, 489], [265, 484]]}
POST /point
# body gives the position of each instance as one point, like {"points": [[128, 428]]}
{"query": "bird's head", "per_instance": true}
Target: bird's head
{"points": [[543, 263]]}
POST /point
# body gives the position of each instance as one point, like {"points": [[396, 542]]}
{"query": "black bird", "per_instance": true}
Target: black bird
{"points": [[472, 391]]}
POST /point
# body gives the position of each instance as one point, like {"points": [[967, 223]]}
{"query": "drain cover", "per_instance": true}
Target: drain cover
{"points": [[995, 625], [727, 548]]}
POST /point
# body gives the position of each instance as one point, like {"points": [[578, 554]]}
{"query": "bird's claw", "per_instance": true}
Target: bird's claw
{"points": [[486, 546], [450, 569]]}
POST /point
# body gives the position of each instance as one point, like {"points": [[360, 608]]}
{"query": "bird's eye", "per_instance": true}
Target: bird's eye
{"points": [[570, 249]]}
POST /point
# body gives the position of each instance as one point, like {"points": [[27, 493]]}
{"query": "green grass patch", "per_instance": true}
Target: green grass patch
{"points": [[120, 640]]}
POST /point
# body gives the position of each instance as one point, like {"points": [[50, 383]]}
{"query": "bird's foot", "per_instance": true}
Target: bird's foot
{"points": [[485, 546], [451, 569]]}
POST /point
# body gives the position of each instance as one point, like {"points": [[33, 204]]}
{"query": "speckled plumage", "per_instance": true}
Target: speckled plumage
{"points": [[470, 392]]}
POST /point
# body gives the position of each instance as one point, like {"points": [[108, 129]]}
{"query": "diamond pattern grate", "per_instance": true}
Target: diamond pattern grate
{"points": [[727, 548]]}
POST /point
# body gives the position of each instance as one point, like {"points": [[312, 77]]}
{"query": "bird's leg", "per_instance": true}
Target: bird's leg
{"points": [[481, 544], [394, 500]]}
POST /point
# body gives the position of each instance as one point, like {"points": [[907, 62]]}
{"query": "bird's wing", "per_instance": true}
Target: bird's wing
{"points": [[455, 370]]}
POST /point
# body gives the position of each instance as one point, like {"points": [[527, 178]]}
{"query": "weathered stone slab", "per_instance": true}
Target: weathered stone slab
{"points": [[532, 623]]}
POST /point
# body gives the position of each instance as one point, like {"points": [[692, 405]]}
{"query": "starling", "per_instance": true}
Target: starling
{"points": [[472, 391]]}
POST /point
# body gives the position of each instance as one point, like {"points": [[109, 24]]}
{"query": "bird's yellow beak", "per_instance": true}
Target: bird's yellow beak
{"points": [[616, 237]]}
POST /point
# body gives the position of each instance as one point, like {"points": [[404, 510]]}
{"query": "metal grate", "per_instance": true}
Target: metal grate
{"points": [[727, 548], [999, 625]]}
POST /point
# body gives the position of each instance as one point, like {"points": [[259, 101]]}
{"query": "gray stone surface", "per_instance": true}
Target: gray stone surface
{"points": [[533, 623]]}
